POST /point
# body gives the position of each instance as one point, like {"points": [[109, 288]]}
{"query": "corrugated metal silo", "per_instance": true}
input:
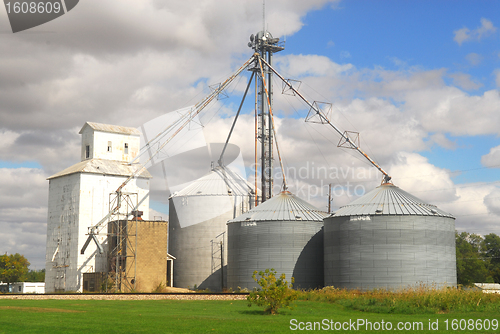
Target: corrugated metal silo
{"points": [[284, 233], [389, 239], [197, 224]]}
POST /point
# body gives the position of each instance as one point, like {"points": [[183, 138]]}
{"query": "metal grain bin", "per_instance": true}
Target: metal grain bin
{"points": [[389, 239], [284, 233], [198, 215]]}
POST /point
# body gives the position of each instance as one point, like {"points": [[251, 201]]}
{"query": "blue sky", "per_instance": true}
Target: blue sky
{"points": [[419, 80], [418, 33], [400, 35]]}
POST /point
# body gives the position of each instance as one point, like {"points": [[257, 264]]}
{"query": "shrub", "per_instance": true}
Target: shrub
{"points": [[161, 288], [274, 294]]}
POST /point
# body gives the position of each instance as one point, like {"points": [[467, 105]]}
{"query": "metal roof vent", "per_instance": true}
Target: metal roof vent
{"points": [[379, 211], [298, 217]]}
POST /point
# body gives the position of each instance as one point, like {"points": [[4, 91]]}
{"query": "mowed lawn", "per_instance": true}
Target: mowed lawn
{"points": [[169, 316]]}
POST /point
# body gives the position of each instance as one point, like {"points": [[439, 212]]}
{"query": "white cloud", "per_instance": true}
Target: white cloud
{"points": [[23, 213], [497, 77], [450, 110], [398, 62], [345, 54], [492, 159], [471, 212], [425, 99], [461, 35], [475, 206], [464, 81], [465, 34], [492, 201], [486, 28], [441, 140], [413, 173], [474, 59], [298, 66]]}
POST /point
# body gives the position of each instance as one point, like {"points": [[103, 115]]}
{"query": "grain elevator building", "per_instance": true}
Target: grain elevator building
{"points": [[80, 196]]}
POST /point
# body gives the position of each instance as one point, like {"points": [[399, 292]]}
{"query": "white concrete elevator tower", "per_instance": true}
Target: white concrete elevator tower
{"points": [[80, 196]]}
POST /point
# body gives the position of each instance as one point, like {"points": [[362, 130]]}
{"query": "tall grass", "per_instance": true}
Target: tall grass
{"points": [[416, 300]]}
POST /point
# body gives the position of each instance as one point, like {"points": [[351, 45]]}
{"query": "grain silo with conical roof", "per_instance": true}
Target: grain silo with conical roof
{"points": [[389, 239], [197, 224], [284, 233]]}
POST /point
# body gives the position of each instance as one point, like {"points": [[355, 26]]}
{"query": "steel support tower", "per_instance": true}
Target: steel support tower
{"points": [[265, 45]]}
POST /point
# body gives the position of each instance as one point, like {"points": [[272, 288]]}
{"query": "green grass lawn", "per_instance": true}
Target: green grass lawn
{"points": [[166, 316]]}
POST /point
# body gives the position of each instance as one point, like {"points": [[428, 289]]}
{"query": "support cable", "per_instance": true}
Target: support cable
{"points": [[221, 162], [284, 186], [324, 119], [256, 141]]}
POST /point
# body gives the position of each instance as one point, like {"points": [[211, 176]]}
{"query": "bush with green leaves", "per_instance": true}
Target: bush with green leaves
{"points": [[275, 292]]}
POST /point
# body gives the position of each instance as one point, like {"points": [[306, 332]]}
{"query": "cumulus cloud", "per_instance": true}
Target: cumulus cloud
{"points": [[465, 81], [474, 59], [23, 213], [492, 201], [492, 159], [461, 35], [441, 140], [413, 173], [470, 209], [298, 66], [465, 34]]}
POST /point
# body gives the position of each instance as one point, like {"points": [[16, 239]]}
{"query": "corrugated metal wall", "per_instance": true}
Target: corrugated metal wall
{"points": [[382, 251], [192, 247], [294, 248]]}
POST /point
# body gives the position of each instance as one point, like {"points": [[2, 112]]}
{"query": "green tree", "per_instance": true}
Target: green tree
{"points": [[275, 292], [491, 247], [13, 268], [471, 267], [36, 276]]}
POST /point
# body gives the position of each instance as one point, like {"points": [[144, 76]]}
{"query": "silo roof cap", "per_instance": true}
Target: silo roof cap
{"points": [[387, 199], [282, 207]]}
